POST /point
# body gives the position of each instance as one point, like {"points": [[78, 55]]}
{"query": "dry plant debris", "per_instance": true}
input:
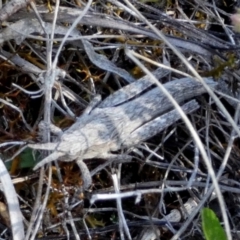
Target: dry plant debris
{"points": [[57, 56]]}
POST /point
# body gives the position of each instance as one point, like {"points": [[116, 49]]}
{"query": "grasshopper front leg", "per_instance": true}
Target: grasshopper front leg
{"points": [[93, 104], [53, 129], [52, 157], [87, 176]]}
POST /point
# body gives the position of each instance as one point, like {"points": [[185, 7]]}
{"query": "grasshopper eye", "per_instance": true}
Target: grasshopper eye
{"points": [[73, 153]]}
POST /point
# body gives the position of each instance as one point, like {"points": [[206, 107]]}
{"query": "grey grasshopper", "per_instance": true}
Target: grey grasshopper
{"points": [[126, 118]]}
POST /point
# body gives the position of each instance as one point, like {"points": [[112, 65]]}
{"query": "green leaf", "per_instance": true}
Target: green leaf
{"points": [[26, 159], [211, 226]]}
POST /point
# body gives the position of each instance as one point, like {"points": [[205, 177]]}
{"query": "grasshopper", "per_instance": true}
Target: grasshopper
{"points": [[122, 120]]}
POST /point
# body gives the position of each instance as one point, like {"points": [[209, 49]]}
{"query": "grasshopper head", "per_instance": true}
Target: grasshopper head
{"points": [[72, 147]]}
